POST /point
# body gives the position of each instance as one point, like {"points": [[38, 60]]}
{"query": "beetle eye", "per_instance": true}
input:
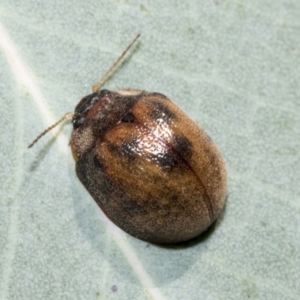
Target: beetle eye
{"points": [[86, 103], [78, 121]]}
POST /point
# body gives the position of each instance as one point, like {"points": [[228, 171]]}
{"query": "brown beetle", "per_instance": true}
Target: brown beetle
{"points": [[152, 170]]}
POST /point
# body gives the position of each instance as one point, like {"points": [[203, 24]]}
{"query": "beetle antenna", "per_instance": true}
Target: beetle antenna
{"points": [[65, 117], [97, 86]]}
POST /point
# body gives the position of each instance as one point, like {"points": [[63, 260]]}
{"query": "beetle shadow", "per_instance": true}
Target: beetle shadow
{"points": [[193, 242], [175, 260], [168, 263], [40, 155]]}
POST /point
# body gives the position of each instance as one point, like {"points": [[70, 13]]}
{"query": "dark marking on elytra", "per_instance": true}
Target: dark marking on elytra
{"points": [[161, 112], [129, 149], [182, 146], [126, 149], [165, 160], [128, 118], [95, 179]]}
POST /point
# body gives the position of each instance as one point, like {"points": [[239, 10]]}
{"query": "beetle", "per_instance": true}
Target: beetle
{"points": [[151, 169]]}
